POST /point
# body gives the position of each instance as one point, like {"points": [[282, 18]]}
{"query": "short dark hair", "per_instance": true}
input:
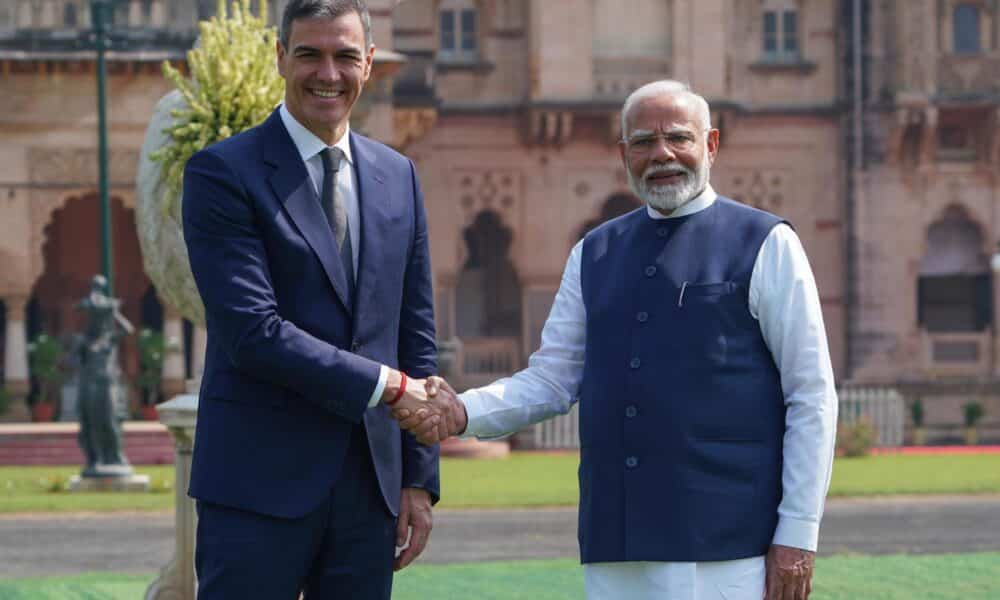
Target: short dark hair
{"points": [[325, 9]]}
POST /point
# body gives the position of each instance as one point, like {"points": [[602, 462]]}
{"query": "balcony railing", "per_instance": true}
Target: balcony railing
{"points": [[957, 354], [969, 76]]}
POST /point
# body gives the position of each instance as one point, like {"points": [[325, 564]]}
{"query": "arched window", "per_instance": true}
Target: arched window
{"points": [[615, 206], [488, 294], [965, 25], [954, 292]]}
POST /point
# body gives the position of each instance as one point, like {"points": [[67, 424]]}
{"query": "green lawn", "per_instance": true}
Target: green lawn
{"points": [[525, 479], [943, 577]]}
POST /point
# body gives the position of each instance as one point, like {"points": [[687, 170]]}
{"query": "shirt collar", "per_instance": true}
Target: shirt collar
{"points": [[699, 203], [306, 141]]}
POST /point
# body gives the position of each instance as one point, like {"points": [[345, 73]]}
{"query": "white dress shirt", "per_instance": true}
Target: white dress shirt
{"points": [[310, 147], [784, 300]]}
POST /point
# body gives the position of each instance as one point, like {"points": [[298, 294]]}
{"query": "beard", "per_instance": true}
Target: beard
{"points": [[669, 198]]}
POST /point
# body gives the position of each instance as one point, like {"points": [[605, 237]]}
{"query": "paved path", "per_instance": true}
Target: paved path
{"points": [[33, 546]]}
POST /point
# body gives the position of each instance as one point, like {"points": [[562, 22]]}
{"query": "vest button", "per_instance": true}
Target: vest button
{"points": [[650, 271], [355, 347], [631, 462], [661, 232], [642, 317], [635, 363], [631, 411]]}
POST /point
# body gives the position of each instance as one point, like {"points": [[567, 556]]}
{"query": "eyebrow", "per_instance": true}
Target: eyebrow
{"points": [[350, 50], [638, 133]]}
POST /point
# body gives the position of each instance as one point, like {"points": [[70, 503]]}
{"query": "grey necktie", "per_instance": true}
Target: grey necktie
{"points": [[336, 212]]}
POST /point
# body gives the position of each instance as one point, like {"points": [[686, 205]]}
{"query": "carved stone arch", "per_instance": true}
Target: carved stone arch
{"points": [[615, 205], [955, 242], [488, 288]]}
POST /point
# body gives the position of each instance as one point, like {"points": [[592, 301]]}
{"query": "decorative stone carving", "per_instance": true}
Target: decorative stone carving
{"points": [[161, 238], [497, 190], [78, 166], [761, 188]]}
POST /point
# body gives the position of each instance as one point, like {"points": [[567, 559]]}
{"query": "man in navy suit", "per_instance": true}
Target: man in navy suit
{"points": [[308, 244]]}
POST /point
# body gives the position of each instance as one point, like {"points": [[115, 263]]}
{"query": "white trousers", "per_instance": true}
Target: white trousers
{"points": [[725, 580]]}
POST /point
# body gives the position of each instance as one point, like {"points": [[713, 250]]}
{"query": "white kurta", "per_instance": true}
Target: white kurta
{"points": [[784, 300]]}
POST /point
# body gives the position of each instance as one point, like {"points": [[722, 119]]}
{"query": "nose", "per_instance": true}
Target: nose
{"points": [[661, 151], [327, 70]]}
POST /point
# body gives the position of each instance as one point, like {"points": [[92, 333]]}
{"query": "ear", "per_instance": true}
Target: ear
{"points": [[279, 53], [712, 141], [622, 152], [369, 59]]}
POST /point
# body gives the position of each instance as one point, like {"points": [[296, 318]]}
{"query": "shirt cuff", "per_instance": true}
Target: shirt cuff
{"points": [[383, 377], [797, 533], [477, 410]]}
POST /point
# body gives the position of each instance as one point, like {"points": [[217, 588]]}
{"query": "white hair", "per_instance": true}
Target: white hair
{"points": [[664, 87]]}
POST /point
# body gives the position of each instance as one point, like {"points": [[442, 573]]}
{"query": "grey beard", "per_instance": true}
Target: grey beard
{"points": [[670, 198]]}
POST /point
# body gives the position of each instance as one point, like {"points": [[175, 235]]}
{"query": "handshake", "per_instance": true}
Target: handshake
{"points": [[427, 408]]}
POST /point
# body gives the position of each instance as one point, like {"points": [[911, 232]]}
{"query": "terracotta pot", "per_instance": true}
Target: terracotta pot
{"points": [[43, 412], [149, 412]]}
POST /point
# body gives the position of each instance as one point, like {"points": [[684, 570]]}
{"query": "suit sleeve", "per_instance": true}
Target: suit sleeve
{"points": [[417, 345], [230, 267]]}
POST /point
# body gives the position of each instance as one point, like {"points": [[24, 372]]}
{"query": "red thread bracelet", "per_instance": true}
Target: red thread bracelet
{"points": [[400, 391]]}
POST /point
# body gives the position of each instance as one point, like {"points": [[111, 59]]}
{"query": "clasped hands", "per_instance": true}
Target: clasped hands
{"points": [[429, 409]]}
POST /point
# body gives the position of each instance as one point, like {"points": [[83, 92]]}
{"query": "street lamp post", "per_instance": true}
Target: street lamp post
{"points": [[101, 16]]}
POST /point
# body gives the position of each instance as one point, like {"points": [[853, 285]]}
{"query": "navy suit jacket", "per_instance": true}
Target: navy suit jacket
{"points": [[291, 362]]}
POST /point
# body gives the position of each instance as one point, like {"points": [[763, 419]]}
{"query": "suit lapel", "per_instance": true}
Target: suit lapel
{"points": [[291, 182], [374, 202]]}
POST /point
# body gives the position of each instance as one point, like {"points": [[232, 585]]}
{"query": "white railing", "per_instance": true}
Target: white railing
{"points": [[882, 407], [561, 432]]}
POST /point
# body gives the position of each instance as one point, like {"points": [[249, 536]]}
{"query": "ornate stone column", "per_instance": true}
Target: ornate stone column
{"points": [[173, 352], [177, 579], [16, 360]]}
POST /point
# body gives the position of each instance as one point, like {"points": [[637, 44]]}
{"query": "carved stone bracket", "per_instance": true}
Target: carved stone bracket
{"points": [[411, 125], [913, 136], [549, 127]]}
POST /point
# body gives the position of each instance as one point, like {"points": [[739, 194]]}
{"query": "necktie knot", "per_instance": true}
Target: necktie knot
{"points": [[331, 158]]}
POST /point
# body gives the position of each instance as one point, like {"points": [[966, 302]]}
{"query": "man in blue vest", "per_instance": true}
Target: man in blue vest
{"points": [[691, 334]]}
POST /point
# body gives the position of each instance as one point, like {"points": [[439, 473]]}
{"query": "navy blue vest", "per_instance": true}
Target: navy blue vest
{"points": [[681, 409]]}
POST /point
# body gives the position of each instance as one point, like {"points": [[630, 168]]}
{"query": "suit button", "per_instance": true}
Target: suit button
{"points": [[631, 411], [642, 317], [635, 363], [650, 270], [355, 346], [631, 462]]}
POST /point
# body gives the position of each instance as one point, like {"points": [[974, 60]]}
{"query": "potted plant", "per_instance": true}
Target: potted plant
{"points": [[151, 348], [972, 413], [917, 414], [44, 359]]}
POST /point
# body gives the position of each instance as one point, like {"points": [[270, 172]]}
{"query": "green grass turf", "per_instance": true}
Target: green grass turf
{"points": [[524, 480], [941, 577]]}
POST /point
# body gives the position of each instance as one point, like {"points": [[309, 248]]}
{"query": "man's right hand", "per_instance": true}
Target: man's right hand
{"points": [[429, 408]]}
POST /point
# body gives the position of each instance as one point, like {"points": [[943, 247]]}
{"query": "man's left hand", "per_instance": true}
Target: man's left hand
{"points": [[788, 573], [415, 522]]}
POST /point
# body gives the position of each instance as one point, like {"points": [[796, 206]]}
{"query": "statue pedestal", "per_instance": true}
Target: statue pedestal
{"points": [[127, 483], [177, 579]]}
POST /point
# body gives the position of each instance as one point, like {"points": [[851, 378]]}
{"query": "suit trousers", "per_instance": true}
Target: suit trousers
{"points": [[343, 549]]}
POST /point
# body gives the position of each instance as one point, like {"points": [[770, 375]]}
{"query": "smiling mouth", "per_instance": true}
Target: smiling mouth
{"points": [[327, 94], [666, 178]]}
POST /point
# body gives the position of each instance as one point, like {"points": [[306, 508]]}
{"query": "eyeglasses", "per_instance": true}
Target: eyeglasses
{"points": [[679, 141]]}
